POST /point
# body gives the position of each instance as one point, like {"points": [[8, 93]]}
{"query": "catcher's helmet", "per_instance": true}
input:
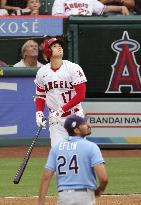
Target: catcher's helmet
{"points": [[48, 43]]}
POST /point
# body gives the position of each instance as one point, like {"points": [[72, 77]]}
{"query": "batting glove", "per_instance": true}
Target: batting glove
{"points": [[40, 119], [54, 118]]}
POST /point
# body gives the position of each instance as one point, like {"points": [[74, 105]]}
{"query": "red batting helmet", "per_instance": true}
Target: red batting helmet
{"points": [[47, 45]]}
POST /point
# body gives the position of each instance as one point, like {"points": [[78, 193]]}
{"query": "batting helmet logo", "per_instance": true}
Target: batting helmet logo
{"points": [[47, 49]]}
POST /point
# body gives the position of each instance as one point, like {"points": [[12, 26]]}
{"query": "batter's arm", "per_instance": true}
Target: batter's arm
{"points": [[79, 97], [39, 106], [40, 99]]}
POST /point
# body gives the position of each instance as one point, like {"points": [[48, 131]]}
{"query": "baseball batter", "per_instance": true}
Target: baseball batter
{"points": [[76, 162], [61, 86], [85, 8]]}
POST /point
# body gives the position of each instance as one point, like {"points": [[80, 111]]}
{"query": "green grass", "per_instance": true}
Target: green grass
{"points": [[30, 181], [124, 176]]}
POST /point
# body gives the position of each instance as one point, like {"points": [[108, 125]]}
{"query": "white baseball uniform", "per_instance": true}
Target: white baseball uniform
{"points": [[77, 7], [59, 90]]}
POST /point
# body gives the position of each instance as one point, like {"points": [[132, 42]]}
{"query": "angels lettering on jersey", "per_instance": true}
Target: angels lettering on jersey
{"points": [[125, 73], [77, 7], [59, 85], [81, 7]]}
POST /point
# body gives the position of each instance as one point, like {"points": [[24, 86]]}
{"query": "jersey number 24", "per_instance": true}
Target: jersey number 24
{"points": [[64, 166]]}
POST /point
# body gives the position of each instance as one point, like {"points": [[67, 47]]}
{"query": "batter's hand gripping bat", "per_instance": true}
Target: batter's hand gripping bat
{"points": [[26, 158]]}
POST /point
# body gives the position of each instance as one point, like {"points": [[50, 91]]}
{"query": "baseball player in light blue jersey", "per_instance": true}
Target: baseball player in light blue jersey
{"points": [[77, 162]]}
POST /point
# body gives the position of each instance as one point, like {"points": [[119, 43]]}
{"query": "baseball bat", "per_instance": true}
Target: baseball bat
{"points": [[26, 158]]}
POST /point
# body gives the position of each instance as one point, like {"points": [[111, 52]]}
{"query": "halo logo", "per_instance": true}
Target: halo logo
{"points": [[125, 70]]}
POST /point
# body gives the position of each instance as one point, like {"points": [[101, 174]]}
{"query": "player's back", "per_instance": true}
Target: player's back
{"points": [[74, 161]]}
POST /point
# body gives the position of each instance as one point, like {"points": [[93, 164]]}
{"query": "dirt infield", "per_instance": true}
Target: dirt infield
{"points": [[14, 152], [103, 200]]}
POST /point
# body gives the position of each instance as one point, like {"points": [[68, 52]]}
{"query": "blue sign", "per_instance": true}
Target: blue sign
{"points": [[29, 26], [17, 108]]}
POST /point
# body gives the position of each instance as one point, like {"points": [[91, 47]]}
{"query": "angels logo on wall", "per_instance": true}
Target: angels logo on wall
{"points": [[125, 70]]}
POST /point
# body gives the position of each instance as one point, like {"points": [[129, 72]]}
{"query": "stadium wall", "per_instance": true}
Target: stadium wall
{"points": [[108, 50]]}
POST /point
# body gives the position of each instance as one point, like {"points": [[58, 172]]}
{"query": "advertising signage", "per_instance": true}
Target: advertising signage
{"points": [[17, 117], [113, 67], [31, 26]]}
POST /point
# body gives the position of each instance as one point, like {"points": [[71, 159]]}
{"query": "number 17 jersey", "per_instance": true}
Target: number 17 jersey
{"points": [[59, 84]]}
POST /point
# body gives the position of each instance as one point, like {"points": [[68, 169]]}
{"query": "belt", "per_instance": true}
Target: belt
{"points": [[75, 190], [67, 113]]}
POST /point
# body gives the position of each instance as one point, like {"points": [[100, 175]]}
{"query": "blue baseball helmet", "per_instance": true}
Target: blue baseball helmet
{"points": [[73, 121]]}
